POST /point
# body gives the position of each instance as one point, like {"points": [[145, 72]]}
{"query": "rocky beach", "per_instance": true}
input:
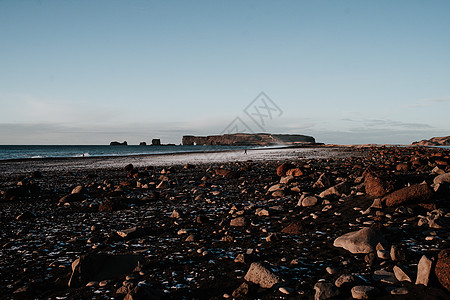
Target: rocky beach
{"points": [[363, 222]]}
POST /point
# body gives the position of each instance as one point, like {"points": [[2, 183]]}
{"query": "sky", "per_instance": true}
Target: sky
{"points": [[345, 72]]}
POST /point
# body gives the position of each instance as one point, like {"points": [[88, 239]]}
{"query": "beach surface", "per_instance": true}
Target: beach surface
{"points": [[288, 223], [82, 163]]}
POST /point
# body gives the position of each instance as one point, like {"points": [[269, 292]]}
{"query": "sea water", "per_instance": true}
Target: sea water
{"points": [[57, 151]]}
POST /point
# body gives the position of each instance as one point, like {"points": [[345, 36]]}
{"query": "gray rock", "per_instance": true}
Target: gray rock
{"points": [[364, 292], [325, 290], [361, 241], [261, 273], [424, 270]]}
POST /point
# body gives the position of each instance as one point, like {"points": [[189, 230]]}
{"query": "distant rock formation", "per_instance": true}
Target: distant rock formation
{"points": [[142, 144], [118, 143], [436, 141], [249, 139], [156, 142]]}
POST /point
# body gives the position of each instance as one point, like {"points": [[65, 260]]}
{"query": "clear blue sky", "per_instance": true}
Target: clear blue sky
{"points": [[89, 72]]}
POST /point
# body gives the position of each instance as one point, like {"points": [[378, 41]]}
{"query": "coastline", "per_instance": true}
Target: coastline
{"points": [[14, 166]]}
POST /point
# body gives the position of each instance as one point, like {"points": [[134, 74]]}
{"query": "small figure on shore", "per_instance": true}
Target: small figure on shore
{"points": [[245, 151]]}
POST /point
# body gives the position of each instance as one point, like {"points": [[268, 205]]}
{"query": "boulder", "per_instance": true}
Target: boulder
{"points": [[325, 290], [261, 273], [283, 168], [376, 185], [442, 269], [101, 266], [361, 241], [410, 194]]}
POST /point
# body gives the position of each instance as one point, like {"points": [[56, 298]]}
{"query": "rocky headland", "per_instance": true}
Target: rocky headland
{"points": [[366, 222], [249, 139], [435, 141]]}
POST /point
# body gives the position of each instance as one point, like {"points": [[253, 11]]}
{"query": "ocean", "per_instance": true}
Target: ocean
{"points": [[52, 151]]}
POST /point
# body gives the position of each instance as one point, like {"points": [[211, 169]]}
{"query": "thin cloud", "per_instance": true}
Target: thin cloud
{"points": [[383, 123], [428, 102]]}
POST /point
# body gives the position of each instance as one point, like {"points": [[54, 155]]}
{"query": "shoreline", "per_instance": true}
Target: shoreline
{"points": [[14, 166]]}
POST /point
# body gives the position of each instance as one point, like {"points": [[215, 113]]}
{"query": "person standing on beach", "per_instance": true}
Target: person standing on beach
{"points": [[245, 151]]}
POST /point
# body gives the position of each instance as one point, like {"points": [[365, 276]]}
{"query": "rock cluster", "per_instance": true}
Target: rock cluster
{"points": [[349, 225]]}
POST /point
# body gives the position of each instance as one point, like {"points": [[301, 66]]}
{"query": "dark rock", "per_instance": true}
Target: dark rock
{"points": [[325, 290], [376, 185], [110, 205], [442, 269], [293, 228], [100, 266], [410, 194], [128, 168], [115, 143], [283, 168]]}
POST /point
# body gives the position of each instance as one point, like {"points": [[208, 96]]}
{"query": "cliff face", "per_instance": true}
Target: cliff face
{"points": [[436, 141], [244, 139]]}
